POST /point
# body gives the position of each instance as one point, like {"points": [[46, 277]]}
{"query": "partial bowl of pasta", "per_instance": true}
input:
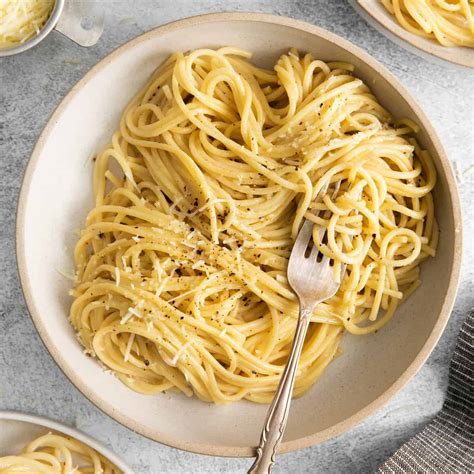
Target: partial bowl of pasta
{"points": [[159, 209], [431, 29], [36, 444]]}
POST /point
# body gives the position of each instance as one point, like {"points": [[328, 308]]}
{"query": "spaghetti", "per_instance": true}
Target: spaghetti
{"points": [[449, 22], [57, 454], [181, 267]]}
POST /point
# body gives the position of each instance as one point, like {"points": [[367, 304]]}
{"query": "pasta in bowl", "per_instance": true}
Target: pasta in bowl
{"points": [[36, 445], [433, 29], [374, 366], [450, 23], [181, 268]]}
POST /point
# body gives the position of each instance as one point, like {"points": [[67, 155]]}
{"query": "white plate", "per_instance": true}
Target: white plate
{"points": [[377, 15], [19, 429], [57, 194]]}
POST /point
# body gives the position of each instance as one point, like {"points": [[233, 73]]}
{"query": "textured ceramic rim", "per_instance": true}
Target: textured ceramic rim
{"points": [[395, 32], [45, 31], [348, 423], [67, 430]]}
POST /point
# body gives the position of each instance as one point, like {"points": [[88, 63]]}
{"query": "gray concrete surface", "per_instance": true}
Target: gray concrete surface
{"points": [[32, 84]]}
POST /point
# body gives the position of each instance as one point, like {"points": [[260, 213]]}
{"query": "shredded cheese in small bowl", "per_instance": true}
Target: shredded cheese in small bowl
{"points": [[21, 20]]}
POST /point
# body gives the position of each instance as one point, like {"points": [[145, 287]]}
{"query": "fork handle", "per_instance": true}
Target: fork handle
{"points": [[277, 415]]}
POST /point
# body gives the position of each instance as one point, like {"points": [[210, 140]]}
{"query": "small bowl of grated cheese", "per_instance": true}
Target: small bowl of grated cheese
{"points": [[25, 23]]}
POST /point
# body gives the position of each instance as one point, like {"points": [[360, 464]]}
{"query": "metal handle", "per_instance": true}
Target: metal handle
{"points": [[277, 415], [81, 21]]}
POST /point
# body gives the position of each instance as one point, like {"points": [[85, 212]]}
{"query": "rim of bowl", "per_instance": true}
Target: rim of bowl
{"points": [[286, 446], [389, 27], [69, 431], [45, 31]]}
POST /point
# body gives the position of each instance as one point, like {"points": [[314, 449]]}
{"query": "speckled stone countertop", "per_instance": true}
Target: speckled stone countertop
{"points": [[31, 86]]}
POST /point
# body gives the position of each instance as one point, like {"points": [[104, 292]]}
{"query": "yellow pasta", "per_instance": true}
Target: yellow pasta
{"points": [[449, 22], [181, 266], [57, 454]]}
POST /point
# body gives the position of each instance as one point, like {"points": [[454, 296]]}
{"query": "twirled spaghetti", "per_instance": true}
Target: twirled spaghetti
{"points": [[181, 267], [449, 22], [57, 454]]}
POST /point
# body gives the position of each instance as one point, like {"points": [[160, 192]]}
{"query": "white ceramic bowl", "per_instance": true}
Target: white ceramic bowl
{"points": [[377, 15], [18, 429], [57, 194]]}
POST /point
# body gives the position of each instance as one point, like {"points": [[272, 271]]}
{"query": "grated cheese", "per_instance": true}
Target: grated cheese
{"points": [[183, 295], [175, 359], [159, 270], [129, 347], [239, 261], [280, 278], [21, 20], [198, 265], [132, 312], [161, 287], [175, 203]]}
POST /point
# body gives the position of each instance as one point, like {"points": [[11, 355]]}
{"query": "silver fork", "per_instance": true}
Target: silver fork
{"points": [[312, 281]]}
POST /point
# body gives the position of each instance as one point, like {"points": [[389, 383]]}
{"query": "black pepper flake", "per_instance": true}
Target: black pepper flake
{"points": [[146, 362]]}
